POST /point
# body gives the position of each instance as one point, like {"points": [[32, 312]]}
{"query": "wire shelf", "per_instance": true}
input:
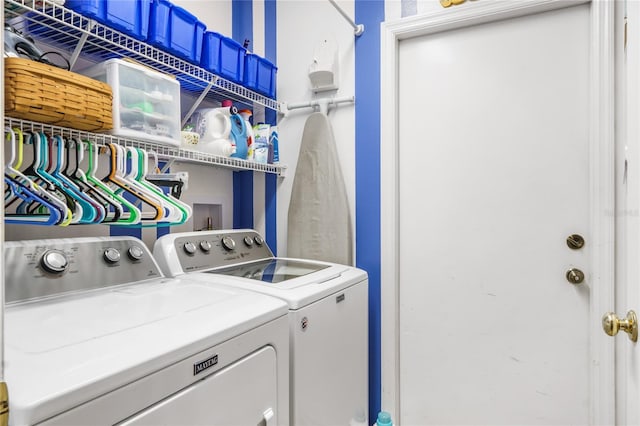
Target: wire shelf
{"points": [[66, 29], [165, 152]]}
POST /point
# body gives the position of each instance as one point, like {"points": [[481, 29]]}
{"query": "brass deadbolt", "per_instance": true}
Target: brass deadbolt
{"points": [[575, 276], [611, 324], [575, 241]]}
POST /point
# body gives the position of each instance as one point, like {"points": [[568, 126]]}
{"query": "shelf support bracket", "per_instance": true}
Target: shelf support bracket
{"points": [[167, 165], [198, 101], [83, 39]]}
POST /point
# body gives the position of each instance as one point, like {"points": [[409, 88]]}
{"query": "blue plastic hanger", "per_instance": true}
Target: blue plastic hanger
{"points": [[95, 212], [20, 187]]}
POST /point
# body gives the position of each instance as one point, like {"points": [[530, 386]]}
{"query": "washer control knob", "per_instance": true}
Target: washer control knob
{"points": [[54, 261], [111, 255], [228, 243], [205, 246], [248, 241], [259, 240], [135, 253], [190, 248]]}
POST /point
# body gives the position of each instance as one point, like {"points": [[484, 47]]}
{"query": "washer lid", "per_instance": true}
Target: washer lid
{"points": [[272, 271], [64, 351], [299, 282]]}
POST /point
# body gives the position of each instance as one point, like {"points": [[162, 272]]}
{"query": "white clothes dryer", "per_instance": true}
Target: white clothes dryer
{"points": [[328, 315], [96, 335]]}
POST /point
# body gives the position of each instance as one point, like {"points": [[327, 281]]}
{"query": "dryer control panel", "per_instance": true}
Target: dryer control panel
{"points": [[213, 249], [41, 268]]}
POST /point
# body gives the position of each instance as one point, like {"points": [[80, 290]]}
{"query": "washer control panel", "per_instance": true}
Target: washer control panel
{"points": [[41, 268], [213, 249]]}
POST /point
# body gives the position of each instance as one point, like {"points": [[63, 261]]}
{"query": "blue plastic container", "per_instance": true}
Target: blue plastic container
{"points": [[210, 59], [176, 30], [260, 75], [127, 16], [159, 24], [384, 419], [232, 60]]}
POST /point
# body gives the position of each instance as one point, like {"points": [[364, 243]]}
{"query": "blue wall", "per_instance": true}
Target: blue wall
{"points": [[370, 13], [243, 188]]}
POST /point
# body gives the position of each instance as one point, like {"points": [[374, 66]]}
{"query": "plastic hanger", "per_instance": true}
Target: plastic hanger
{"points": [[112, 208], [33, 172], [82, 213], [53, 215], [131, 214], [24, 189], [185, 210], [11, 169], [133, 174], [115, 178], [179, 212], [92, 211]]}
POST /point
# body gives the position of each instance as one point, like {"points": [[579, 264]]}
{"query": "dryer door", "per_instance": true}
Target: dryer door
{"points": [[243, 393]]}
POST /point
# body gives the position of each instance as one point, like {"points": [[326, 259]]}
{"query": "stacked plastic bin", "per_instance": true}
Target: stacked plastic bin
{"points": [[227, 58], [158, 22], [175, 30], [129, 17], [180, 33]]}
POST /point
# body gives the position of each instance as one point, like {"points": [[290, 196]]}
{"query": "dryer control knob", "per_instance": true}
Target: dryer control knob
{"points": [[190, 248], [259, 240], [228, 243], [54, 261], [111, 255], [248, 241], [135, 253], [205, 246]]}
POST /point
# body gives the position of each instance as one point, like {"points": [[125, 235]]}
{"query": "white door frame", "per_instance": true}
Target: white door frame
{"points": [[601, 183]]}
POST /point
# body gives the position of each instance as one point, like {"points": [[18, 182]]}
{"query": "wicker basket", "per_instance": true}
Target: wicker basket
{"points": [[47, 94]]}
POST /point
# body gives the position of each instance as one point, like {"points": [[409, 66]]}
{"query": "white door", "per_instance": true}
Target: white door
{"points": [[628, 206], [494, 172]]}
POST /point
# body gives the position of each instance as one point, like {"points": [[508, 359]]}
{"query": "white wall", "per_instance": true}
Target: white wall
{"points": [[302, 25], [216, 14]]}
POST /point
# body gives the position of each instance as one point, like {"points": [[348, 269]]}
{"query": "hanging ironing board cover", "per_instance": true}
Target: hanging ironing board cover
{"points": [[319, 223]]}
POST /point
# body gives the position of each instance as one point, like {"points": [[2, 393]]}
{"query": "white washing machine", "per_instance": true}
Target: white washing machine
{"points": [[328, 315], [96, 335]]}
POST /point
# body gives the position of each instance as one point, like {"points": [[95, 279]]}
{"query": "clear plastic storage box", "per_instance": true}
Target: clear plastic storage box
{"points": [[146, 103]]}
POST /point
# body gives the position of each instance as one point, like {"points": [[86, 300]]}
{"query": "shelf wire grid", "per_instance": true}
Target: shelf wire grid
{"points": [[165, 152], [63, 28]]}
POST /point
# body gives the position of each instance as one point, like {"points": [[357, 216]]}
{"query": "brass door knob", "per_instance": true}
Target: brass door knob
{"points": [[611, 324]]}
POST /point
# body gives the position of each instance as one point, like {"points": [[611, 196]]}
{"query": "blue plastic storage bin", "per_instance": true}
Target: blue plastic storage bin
{"points": [[260, 75], [128, 16], [176, 30], [210, 59], [232, 60]]}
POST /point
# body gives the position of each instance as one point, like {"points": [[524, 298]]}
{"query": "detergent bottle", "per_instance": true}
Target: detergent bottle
{"points": [[246, 115], [261, 143], [239, 136], [274, 150]]}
